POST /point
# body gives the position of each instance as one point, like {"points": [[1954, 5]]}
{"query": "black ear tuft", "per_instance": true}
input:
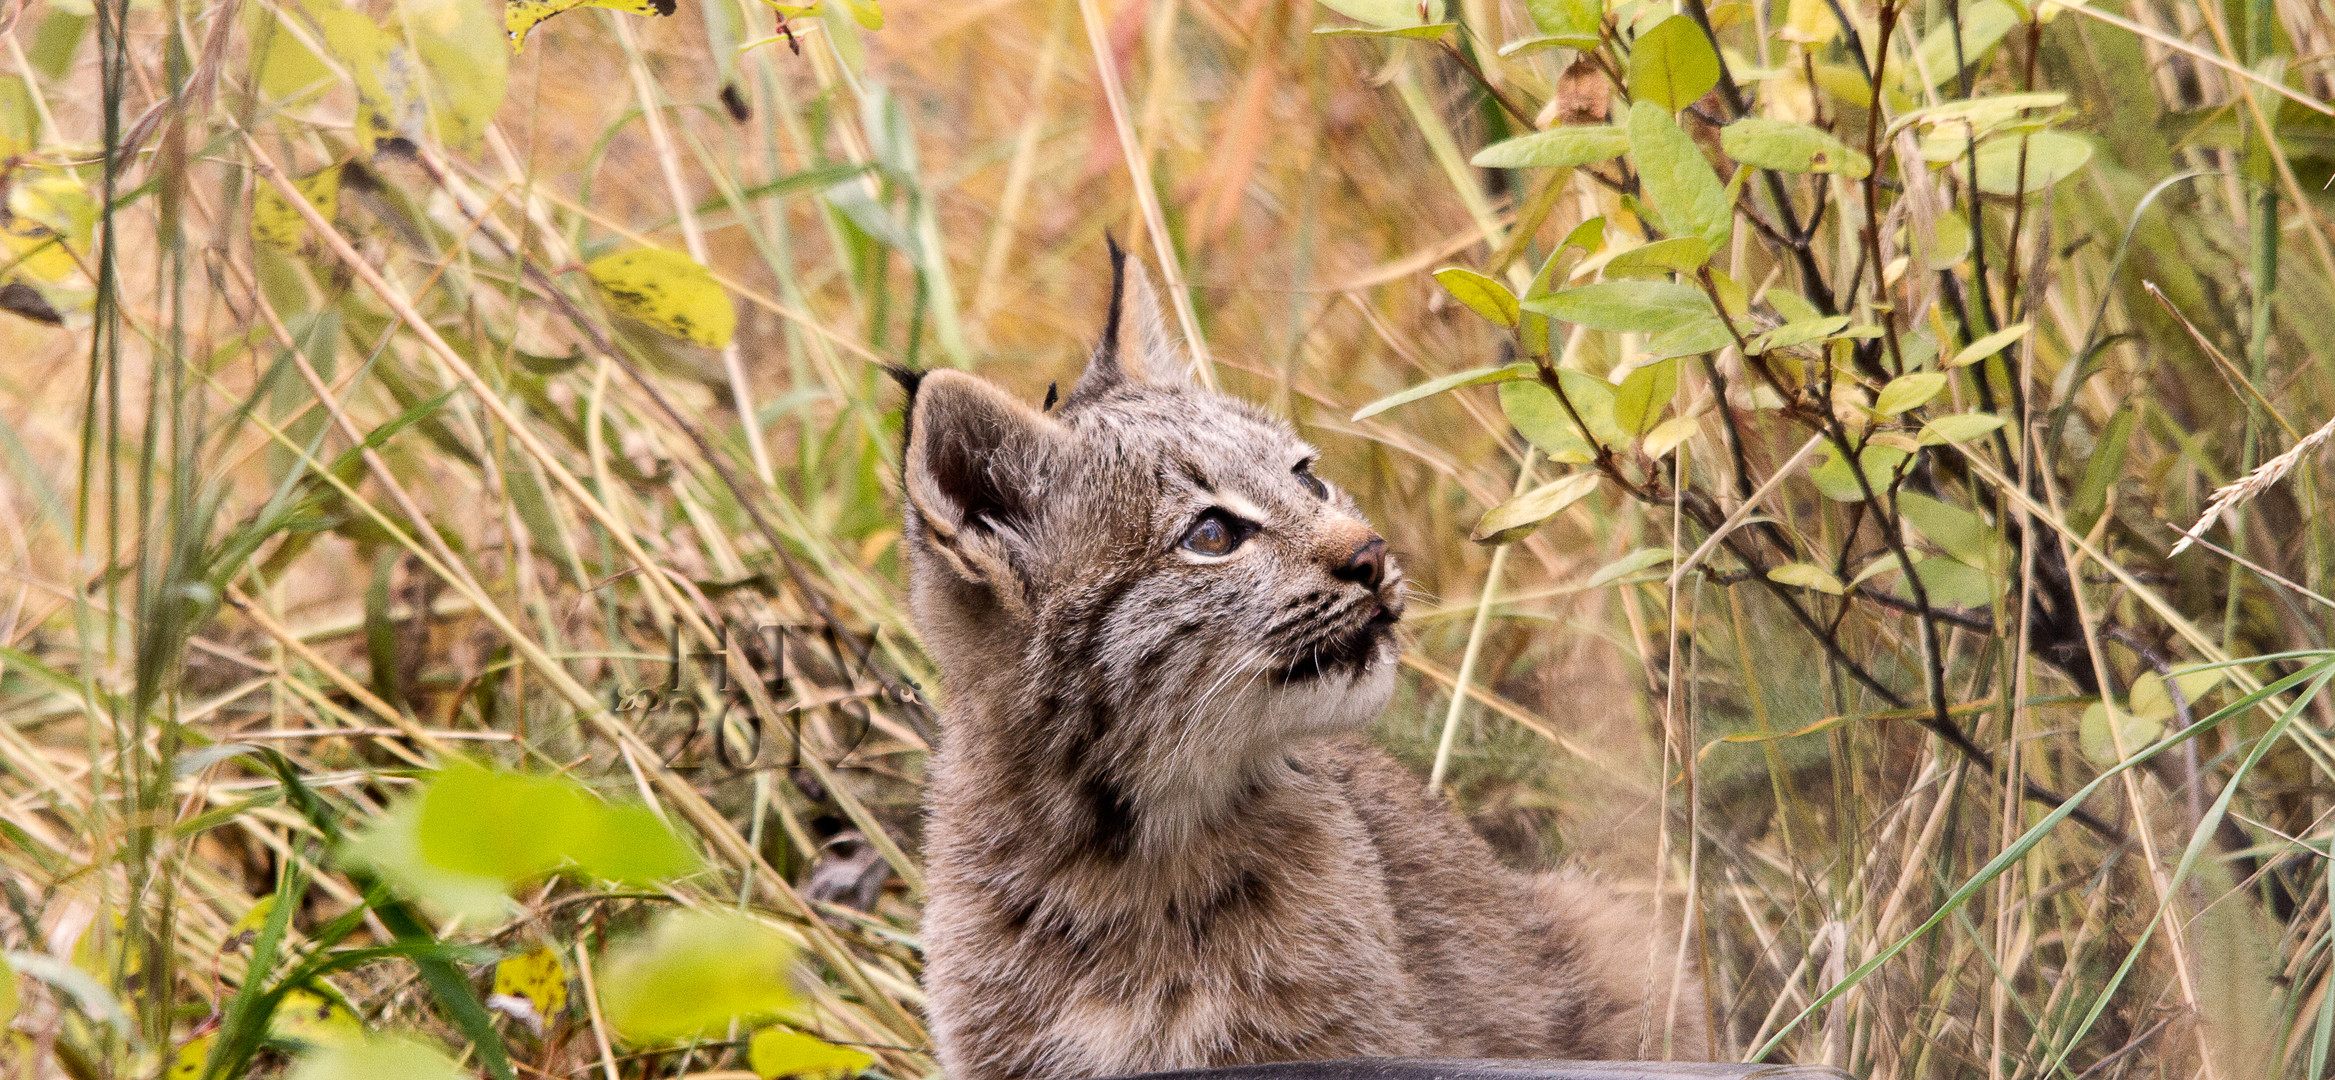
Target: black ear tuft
{"points": [[910, 380], [1110, 345]]}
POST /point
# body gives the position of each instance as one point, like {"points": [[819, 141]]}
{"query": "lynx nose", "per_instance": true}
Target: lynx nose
{"points": [[1366, 566]]}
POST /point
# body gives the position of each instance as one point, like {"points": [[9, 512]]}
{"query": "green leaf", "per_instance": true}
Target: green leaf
{"points": [[1555, 148], [1958, 532], [1481, 294], [1807, 576], [431, 845], [537, 819], [1560, 18], [1701, 336], [1983, 26], [1802, 332], [629, 844], [1388, 12], [1672, 65], [1675, 177], [11, 998], [1958, 428], [1639, 401], [1909, 391], [1542, 42], [777, 1052], [1678, 255], [694, 972], [520, 16], [1535, 412], [1641, 559], [1432, 387], [383, 1058], [1787, 147], [2051, 157], [1833, 478], [287, 70], [1428, 32], [1954, 583], [2100, 746], [1532, 407], [2151, 702], [668, 291], [1641, 307], [1513, 520], [1988, 346]]}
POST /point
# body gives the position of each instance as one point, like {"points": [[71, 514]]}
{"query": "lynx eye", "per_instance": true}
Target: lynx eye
{"points": [[1216, 533], [1304, 473]]}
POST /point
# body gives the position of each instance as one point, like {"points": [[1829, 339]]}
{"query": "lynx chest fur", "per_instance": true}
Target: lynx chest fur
{"points": [[1153, 840]]}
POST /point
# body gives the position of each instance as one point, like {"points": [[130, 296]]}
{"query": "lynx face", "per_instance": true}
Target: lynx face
{"points": [[1149, 581]]}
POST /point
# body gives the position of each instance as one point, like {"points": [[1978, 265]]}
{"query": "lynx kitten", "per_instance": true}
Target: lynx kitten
{"points": [[1155, 840]]}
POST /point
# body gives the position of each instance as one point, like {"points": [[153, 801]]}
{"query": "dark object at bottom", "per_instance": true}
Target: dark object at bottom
{"points": [[1456, 1069]]}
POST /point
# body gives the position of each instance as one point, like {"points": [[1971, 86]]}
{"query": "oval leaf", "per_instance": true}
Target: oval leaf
{"points": [[1909, 391], [1958, 428], [1512, 520], [1672, 65], [1674, 176], [1481, 294], [1639, 401], [668, 291], [1806, 576], [1677, 255], [1641, 559], [1787, 147], [1639, 307], [1555, 149], [1668, 434], [1988, 346], [2051, 156]]}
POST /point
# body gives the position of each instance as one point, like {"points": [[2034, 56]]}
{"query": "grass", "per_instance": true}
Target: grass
{"points": [[286, 523]]}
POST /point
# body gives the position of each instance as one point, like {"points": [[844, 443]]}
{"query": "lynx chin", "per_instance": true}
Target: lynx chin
{"points": [[1155, 839]]}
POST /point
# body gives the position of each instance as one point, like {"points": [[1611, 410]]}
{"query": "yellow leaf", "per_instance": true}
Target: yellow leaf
{"points": [[468, 72], [1810, 22], [252, 922], [520, 16], [278, 224], [311, 1017], [49, 216], [668, 291], [537, 976], [389, 105], [777, 1052], [1668, 434], [187, 1064]]}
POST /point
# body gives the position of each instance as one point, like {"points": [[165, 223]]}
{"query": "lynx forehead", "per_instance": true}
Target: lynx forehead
{"points": [[1153, 840]]}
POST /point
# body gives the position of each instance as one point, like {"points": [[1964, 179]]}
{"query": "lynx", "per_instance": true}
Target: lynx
{"points": [[1154, 837]]}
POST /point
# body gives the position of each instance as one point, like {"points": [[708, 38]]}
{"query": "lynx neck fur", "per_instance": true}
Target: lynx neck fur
{"points": [[1155, 839]]}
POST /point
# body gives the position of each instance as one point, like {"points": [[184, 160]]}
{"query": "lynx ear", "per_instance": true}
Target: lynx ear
{"points": [[1154, 356], [972, 472]]}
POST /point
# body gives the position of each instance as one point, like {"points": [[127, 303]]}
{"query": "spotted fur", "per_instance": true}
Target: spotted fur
{"points": [[1154, 841]]}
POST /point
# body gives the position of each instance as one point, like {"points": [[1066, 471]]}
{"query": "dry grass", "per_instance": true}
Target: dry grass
{"points": [[187, 568]]}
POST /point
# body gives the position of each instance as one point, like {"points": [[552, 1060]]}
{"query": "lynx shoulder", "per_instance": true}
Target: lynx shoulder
{"points": [[1154, 840]]}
